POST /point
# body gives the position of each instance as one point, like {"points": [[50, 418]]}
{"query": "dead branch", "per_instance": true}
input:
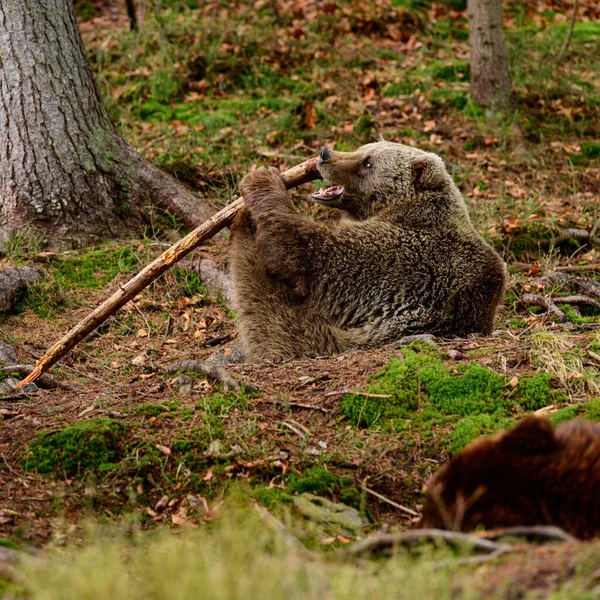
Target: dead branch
{"points": [[579, 268], [357, 393], [381, 497], [215, 372], [385, 542], [303, 173], [545, 532], [567, 41], [294, 405]]}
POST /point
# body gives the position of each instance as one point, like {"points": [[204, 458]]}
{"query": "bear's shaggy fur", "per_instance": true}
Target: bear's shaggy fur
{"points": [[529, 475], [406, 259]]}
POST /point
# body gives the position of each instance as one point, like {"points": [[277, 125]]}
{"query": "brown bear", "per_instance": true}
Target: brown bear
{"points": [[405, 259], [529, 475]]}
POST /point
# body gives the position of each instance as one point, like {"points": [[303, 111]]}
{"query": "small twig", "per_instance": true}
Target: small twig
{"points": [[294, 405], [143, 317], [567, 41], [167, 328], [386, 541], [357, 393], [218, 340], [314, 379], [410, 511], [10, 468], [546, 532], [294, 429]]}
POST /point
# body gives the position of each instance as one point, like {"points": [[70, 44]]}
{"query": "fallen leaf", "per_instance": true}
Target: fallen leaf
{"points": [[510, 224]]}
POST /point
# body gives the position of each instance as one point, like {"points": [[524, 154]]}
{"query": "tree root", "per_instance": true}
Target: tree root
{"points": [[217, 281], [386, 542], [13, 280], [212, 371], [573, 235], [547, 303], [420, 337], [45, 381], [543, 532], [485, 542], [589, 293]]}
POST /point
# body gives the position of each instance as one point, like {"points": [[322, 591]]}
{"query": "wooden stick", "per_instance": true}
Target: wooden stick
{"points": [[303, 173]]}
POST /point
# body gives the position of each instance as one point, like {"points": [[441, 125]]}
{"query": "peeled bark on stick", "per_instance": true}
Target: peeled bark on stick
{"points": [[303, 173]]}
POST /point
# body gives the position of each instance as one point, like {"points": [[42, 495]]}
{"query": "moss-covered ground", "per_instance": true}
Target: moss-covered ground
{"points": [[207, 90]]}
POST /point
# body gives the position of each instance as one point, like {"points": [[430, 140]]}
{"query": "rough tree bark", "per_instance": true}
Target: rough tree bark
{"points": [[63, 167], [490, 80]]}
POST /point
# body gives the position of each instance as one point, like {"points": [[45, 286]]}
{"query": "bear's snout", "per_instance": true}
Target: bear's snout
{"points": [[324, 155]]}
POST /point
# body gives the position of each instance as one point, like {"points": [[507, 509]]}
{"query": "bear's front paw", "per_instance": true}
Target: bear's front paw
{"points": [[259, 184]]}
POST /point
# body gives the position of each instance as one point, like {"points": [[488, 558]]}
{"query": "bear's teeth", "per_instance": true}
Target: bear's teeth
{"points": [[331, 193]]}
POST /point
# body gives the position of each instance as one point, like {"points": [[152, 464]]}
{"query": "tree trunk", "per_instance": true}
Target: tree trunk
{"points": [[63, 168], [490, 81]]}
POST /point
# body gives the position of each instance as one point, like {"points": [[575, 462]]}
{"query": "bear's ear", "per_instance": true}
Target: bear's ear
{"points": [[531, 436], [428, 172]]}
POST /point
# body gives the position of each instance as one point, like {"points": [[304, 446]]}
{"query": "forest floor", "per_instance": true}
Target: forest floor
{"points": [[207, 90]]}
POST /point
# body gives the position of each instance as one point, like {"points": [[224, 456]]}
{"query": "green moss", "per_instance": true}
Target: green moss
{"points": [[316, 480], [517, 323], [96, 268], [536, 392], [151, 410], [459, 70], [351, 497], [478, 390], [10, 544], [190, 282], [587, 410], [403, 88], [271, 497], [422, 376], [564, 414], [87, 446], [591, 149], [472, 427]]}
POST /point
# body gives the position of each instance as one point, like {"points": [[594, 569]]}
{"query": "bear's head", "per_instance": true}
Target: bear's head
{"points": [[385, 176], [494, 481]]}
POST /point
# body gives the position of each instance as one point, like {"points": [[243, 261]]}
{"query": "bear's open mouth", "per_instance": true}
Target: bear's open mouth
{"points": [[328, 194]]}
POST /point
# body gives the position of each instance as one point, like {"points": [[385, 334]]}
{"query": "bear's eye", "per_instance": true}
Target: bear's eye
{"points": [[367, 163]]}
